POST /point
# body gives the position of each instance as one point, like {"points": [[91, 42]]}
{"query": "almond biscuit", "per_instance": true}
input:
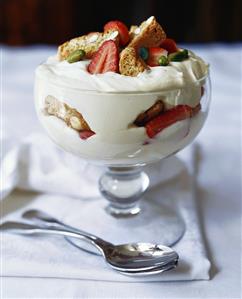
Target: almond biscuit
{"points": [[130, 64], [89, 43], [70, 116], [148, 34]]}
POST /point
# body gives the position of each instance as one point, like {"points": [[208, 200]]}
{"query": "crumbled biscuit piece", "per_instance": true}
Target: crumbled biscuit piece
{"points": [[149, 114], [130, 64], [148, 34], [71, 116], [89, 43]]}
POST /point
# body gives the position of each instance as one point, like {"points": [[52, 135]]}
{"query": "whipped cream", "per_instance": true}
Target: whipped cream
{"points": [[175, 75]]}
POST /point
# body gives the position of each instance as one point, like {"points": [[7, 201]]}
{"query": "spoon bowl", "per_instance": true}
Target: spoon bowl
{"points": [[140, 256]]}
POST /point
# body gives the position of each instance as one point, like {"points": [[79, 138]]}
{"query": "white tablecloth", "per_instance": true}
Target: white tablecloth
{"points": [[219, 196]]}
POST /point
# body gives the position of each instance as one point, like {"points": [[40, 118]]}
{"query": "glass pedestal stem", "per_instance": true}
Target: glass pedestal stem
{"points": [[123, 187]]}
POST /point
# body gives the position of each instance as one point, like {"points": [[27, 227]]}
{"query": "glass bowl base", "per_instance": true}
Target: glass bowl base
{"points": [[153, 223], [129, 210]]}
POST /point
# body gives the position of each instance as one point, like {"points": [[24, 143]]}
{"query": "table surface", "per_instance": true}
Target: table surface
{"points": [[219, 194]]}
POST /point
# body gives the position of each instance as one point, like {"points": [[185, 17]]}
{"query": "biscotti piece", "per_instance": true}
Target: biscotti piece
{"points": [[149, 114], [130, 64], [89, 43], [71, 116], [133, 31], [148, 34]]}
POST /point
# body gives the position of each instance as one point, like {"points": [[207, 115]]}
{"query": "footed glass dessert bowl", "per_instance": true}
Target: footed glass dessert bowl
{"points": [[118, 144], [124, 99]]}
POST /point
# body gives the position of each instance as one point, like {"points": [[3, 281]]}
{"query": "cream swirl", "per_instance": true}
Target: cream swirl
{"points": [[159, 78]]}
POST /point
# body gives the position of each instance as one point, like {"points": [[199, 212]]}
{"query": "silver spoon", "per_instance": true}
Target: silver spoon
{"points": [[150, 271], [47, 220], [130, 259]]}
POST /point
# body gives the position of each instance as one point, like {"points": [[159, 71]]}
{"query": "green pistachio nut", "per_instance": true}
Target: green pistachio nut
{"points": [[76, 56], [163, 60], [179, 56]]}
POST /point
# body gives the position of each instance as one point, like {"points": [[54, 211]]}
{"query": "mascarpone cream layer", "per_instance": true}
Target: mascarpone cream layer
{"points": [[75, 75]]}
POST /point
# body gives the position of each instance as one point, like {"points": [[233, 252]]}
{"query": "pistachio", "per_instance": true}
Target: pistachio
{"points": [[179, 55], [163, 61], [76, 55], [143, 53]]}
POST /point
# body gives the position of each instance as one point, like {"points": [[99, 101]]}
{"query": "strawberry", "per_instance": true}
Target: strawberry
{"points": [[170, 45], [165, 119], [86, 134], [121, 28], [105, 59], [154, 56]]}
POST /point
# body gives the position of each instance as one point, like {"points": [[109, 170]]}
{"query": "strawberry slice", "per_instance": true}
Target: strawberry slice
{"points": [[121, 28], [86, 134], [164, 120], [154, 55], [105, 59], [170, 45]]}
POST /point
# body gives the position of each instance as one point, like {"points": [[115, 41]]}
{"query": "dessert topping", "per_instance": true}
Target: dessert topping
{"points": [[143, 53], [143, 46], [163, 61], [179, 55], [105, 59], [169, 44], [76, 56], [90, 43], [122, 30], [130, 64], [148, 34], [154, 55]]}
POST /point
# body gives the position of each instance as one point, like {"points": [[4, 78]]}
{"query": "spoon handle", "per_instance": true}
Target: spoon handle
{"points": [[49, 221], [44, 219], [27, 228]]}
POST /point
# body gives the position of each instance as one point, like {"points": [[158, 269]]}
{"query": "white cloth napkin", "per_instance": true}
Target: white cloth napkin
{"points": [[70, 187], [36, 164]]}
